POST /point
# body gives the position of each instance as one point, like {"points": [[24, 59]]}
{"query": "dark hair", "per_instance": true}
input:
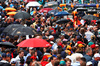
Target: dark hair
{"points": [[20, 51], [7, 38], [16, 37], [29, 60], [67, 59], [56, 63], [83, 59], [51, 58]]}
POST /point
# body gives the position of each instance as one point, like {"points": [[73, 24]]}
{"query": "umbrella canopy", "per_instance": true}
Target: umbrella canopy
{"points": [[91, 12], [53, 12], [11, 13], [45, 10], [62, 21], [23, 31], [9, 29], [52, 3], [6, 44], [98, 21], [34, 42], [10, 9], [62, 13], [90, 17], [22, 15], [32, 4], [2, 0]]}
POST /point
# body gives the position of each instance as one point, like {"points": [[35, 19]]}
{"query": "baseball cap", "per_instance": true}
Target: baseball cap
{"points": [[96, 55], [13, 61], [62, 62], [51, 36], [80, 42], [90, 43], [93, 46], [89, 63]]}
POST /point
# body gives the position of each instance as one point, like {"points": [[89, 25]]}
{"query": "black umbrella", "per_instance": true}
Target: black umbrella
{"points": [[2, 0], [90, 17], [81, 9], [91, 12], [6, 44], [52, 12], [98, 21], [22, 15], [62, 21], [23, 31], [9, 29]]}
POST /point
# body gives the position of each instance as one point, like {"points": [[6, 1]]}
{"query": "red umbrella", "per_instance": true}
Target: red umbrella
{"points": [[34, 42], [45, 10]]}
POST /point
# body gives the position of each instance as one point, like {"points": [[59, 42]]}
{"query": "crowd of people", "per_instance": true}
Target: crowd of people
{"points": [[75, 43]]}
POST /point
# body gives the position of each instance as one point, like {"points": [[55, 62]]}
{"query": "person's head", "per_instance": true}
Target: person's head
{"points": [[62, 63], [56, 63], [8, 58], [58, 57], [82, 61], [29, 60], [7, 38], [16, 37], [30, 49], [89, 63], [21, 53], [58, 41], [13, 62], [53, 59], [89, 51], [97, 57], [4, 56], [51, 37], [34, 53], [68, 61], [54, 52]]}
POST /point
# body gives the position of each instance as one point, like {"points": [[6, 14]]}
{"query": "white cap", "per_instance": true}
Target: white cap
{"points": [[51, 36], [13, 60], [96, 45], [96, 55], [89, 63], [70, 58], [30, 48], [51, 42], [43, 17]]}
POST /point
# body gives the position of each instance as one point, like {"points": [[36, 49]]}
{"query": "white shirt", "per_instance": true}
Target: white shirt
{"points": [[82, 21], [49, 64], [88, 35]]}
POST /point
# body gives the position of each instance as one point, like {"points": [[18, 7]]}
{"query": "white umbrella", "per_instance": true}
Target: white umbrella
{"points": [[32, 4]]}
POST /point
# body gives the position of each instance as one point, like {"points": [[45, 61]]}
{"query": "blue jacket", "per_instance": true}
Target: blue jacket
{"points": [[94, 63], [88, 58]]}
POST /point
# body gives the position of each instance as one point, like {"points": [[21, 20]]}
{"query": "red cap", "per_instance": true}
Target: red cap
{"points": [[80, 42], [93, 46]]}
